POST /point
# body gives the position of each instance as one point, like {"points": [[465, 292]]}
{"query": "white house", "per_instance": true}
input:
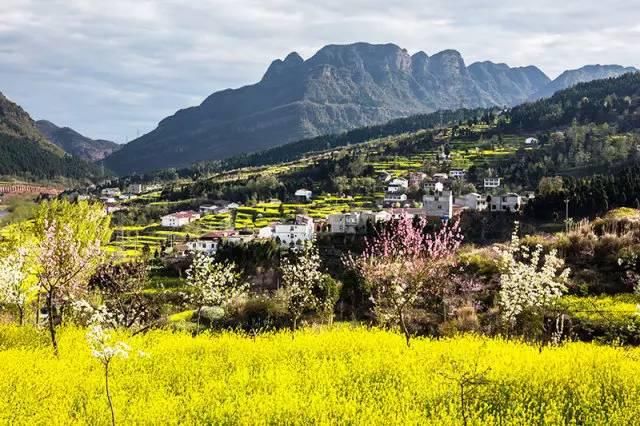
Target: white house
{"points": [[510, 202], [179, 219], [217, 207], [266, 232], [492, 182], [108, 200], [433, 186], [398, 185], [354, 222], [391, 198], [203, 244], [375, 217], [294, 234], [110, 192], [208, 209], [440, 177], [472, 201], [343, 223], [135, 188], [530, 141], [303, 195], [438, 204], [457, 173]]}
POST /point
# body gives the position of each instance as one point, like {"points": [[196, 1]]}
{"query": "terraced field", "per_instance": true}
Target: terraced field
{"points": [[129, 241]]}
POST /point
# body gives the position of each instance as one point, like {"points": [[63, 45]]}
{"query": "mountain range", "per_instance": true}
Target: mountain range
{"points": [[25, 152], [76, 144], [339, 88]]}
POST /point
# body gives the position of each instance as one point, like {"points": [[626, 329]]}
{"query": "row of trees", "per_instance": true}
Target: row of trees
{"points": [[587, 197]]}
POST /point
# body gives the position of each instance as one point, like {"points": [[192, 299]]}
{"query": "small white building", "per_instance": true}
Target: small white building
{"points": [[440, 177], [457, 173], [398, 185], [108, 200], [110, 192], [438, 204], [472, 201], [531, 141], [217, 207], [354, 222], [209, 243], [203, 245], [392, 198], [492, 182], [303, 195], [510, 202], [295, 234], [344, 223], [135, 188], [375, 217], [208, 209], [179, 219], [266, 232]]}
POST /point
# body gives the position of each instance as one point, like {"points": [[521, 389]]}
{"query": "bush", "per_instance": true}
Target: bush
{"points": [[257, 314]]}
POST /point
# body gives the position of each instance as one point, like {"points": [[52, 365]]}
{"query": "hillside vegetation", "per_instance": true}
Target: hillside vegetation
{"points": [[26, 153]]}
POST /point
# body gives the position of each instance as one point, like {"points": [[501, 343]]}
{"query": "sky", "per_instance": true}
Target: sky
{"points": [[112, 69]]}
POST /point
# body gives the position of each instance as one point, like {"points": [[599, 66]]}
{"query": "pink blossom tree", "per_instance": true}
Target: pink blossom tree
{"points": [[403, 265]]}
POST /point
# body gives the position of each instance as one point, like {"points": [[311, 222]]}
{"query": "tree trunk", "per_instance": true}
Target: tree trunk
{"points": [[106, 386], [403, 324], [52, 326], [198, 322], [38, 309], [21, 315]]}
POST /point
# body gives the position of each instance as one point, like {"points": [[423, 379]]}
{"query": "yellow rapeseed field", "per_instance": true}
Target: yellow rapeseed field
{"points": [[340, 376]]}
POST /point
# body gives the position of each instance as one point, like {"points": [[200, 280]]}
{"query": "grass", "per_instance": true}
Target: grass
{"points": [[339, 376]]}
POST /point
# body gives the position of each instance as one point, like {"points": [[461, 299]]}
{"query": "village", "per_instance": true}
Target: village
{"points": [[410, 194]]}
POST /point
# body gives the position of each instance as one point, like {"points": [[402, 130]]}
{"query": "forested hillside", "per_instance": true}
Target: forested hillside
{"points": [[26, 153], [615, 101]]}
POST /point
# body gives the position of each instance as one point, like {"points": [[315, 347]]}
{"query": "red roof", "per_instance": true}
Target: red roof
{"points": [[216, 235], [186, 214]]}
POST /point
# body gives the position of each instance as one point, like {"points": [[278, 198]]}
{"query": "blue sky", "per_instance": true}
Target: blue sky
{"points": [[112, 69]]}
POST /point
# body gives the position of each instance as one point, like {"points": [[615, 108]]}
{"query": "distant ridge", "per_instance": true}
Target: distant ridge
{"points": [[341, 87], [76, 144]]}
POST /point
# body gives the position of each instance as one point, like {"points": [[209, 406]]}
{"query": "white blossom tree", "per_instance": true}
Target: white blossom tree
{"points": [[102, 344], [302, 281], [15, 289], [529, 279], [213, 283], [66, 264]]}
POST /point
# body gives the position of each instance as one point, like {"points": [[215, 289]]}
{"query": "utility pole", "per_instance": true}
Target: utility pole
{"points": [[566, 214]]}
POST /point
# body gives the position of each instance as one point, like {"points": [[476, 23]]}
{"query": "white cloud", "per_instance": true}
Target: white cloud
{"points": [[111, 69]]}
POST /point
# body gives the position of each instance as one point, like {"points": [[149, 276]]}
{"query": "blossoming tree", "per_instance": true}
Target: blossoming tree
{"points": [[213, 283], [15, 289], [65, 268], [102, 344], [529, 280], [303, 283], [403, 265]]}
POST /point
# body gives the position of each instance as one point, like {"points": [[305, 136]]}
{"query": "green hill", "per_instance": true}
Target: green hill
{"points": [[26, 153]]}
